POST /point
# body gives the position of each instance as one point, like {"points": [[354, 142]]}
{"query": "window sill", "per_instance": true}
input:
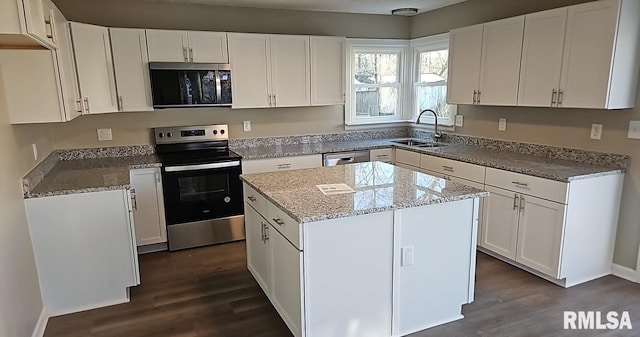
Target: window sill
{"points": [[399, 123]]}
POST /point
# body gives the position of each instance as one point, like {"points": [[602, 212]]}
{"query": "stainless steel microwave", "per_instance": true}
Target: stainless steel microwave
{"points": [[178, 85]]}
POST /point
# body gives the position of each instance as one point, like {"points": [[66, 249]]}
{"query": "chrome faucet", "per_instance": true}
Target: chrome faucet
{"points": [[436, 135]]}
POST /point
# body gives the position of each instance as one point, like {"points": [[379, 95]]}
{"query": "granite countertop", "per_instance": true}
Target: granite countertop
{"points": [[379, 187], [543, 167], [91, 175]]}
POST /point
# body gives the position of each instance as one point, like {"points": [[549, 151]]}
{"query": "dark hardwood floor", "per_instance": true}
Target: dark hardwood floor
{"points": [[209, 292]]}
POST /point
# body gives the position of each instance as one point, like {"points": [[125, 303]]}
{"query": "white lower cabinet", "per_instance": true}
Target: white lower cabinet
{"points": [[384, 155], [148, 206], [84, 246], [500, 222], [336, 278], [281, 164]]}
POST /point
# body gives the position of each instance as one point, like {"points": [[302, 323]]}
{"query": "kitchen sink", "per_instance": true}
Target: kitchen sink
{"points": [[417, 143]]}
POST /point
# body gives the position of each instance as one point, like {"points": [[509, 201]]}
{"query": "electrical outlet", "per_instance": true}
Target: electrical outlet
{"points": [[104, 135], [407, 256], [596, 131], [634, 130], [502, 124], [247, 126], [35, 151], [459, 120]]}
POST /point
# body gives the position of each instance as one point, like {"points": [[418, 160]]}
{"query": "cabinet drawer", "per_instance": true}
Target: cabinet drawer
{"points": [[539, 187], [408, 157], [255, 199], [281, 164], [453, 168], [288, 227], [385, 155]]}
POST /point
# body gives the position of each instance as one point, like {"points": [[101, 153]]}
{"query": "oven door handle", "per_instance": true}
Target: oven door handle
{"points": [[201, 166]]}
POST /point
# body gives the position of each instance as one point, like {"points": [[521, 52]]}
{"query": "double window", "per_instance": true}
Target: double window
{"points": [[392, 81]]}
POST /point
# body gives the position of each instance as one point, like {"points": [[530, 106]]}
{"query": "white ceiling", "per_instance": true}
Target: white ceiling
{"points": [[346, 6]]}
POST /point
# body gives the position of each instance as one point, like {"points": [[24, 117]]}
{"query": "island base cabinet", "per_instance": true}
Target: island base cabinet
{"points": [[430, 288], [258, 248], [84, 246], [286, 276], [348, 281]]}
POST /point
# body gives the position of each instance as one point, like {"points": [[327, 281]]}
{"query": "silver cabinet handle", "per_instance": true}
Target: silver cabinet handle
{"points": [[270, 104], [251, 198], [447, 168], [79, 105], [479, 96], [275, 102], [519, 184], [261, 231], [475, 95], [278, 221], [522, 202], [86, 105], [120, 105], [283, 166], [191, 54], [560, 97], [266, 233], [554, 94], [515, 202], [134, 200], [184, 53]]}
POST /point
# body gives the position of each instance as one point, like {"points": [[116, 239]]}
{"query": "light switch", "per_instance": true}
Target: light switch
{"points": [[634, 130], [459, 120], [407, 256], [104, 135], [247, 126], [596, 131], [502, 124]]}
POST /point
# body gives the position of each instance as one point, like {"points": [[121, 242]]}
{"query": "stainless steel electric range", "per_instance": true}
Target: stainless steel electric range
{"points": [[202, 188]]}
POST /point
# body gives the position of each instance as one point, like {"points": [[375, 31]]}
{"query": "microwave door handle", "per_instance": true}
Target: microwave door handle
{"points": [[218, 88], [200, 167]]}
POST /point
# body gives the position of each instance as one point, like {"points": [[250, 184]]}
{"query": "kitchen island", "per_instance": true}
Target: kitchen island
{"points": [[392, 254]]}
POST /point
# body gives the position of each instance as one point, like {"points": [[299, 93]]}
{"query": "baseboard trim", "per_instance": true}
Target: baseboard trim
{"points": [[41, 325], [624, 273], [90, 307]]}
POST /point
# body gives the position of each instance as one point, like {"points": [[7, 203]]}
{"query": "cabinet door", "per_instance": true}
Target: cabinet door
{"points": [[500, 222], [465, 51], [167, 45], [290, 71], [208, 47], [500, 65], [249, 58], [542, 57], [131, 64], [540, 235], [286, 286], [258, 251], [148, 206], [327, 70], [35, 20], [95, 67], [66, 65], [588, 54]]}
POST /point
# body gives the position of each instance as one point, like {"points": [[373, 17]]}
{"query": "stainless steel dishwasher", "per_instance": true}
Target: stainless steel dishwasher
{"points": [[344, 158]]}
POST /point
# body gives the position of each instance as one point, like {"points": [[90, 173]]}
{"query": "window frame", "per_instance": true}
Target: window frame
{"points": [[399, 47], [418, 46]]}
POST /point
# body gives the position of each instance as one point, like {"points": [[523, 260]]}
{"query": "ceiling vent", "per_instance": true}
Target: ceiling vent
{"points": [[404, 11]]}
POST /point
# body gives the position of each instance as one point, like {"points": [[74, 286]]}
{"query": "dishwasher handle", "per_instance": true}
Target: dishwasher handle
{"points": [[333, 159]]}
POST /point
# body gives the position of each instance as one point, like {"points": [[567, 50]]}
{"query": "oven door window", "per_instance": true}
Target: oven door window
{"points": [[202, 194]]}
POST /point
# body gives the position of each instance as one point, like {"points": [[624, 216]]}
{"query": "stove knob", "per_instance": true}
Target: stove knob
{"points": [[161, 135], [169, 134], [222, 132], [215, 132]]}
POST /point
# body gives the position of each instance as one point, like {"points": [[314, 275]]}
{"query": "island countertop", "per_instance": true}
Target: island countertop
{"points": [[379, 187]]}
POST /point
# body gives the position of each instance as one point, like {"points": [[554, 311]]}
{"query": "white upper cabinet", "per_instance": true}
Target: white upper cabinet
{"points": [[27, 23], [208, 47], [187, 46], [66, 65], [500, 62], [465, 52], [94, 64], [249, 56], [542, 58], [131, 65], [269, 70], [290, 70], [600, 65], [327, 70]]}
